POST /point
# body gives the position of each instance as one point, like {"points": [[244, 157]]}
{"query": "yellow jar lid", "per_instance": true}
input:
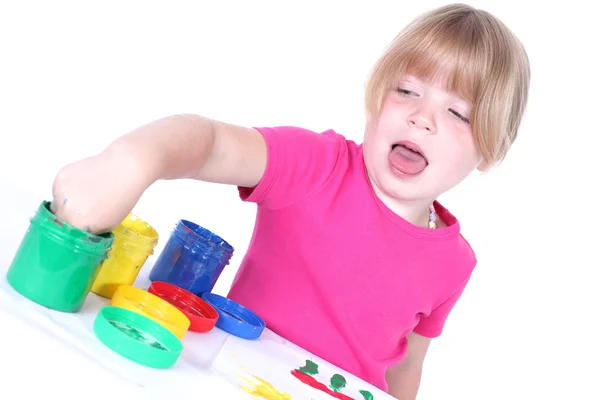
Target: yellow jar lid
{"points": [[153, 307]]}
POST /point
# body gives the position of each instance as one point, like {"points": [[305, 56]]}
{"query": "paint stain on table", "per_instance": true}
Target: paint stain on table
{"points": [[263, 389], [306, 375], [312, 382]]}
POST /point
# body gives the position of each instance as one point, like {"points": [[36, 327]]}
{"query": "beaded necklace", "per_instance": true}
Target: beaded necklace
{"points": [[432, 217]]}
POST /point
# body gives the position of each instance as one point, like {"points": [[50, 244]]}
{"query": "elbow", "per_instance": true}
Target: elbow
{"points": [[173, 147]]}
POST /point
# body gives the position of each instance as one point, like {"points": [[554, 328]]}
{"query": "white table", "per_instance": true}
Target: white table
{"points": [[46, 352]]}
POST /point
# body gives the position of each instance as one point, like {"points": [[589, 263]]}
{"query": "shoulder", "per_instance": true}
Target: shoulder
{"points": [[300, 161], [456, 259], [460, 247], [465, 252], [296, 133], [312, 151], [295, 138]]}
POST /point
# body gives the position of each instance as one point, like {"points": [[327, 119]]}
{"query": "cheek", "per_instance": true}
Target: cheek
{"points": [[376, 133], [459, 149], [470, 150], [466, 159], [386, 127], [370, 135], [392, 116]]}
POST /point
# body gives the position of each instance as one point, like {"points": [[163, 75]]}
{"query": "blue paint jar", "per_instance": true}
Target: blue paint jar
{"points": [[192, 259]]}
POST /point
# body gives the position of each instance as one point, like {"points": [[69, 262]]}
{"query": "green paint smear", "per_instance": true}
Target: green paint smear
{"points": [[337, 382], [138, 335], [310, 368]]}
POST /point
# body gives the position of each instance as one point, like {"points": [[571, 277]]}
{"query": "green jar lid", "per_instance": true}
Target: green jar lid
{"points": [[137, 337]]}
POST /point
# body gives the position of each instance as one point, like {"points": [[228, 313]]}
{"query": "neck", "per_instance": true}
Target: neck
{"points": [[414, 211]]}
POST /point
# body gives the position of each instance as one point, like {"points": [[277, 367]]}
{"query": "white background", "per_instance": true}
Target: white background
{"points": [[76, 75]]}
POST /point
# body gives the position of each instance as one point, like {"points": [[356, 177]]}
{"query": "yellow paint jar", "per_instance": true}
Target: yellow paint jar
{"points": [[134, 242], [153, 307]]}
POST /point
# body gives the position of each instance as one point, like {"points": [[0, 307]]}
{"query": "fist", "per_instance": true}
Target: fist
{"points": [[95, 194]]}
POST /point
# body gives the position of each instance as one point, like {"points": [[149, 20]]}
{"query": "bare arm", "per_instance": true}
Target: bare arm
{"points": [[195, 147], [404, 379], [98, 192]]}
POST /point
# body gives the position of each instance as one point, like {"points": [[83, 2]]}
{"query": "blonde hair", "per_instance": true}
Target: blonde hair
{"points": [[480, 57]]}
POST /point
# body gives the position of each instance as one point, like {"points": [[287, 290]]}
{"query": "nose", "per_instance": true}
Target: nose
{"points": [[422, 120]]}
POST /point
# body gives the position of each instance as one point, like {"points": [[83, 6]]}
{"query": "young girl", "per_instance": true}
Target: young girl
{"points": [[349, 240]]}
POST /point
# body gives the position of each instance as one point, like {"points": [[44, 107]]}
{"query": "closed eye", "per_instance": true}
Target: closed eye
{"points": [[406, 92], [460, 116]]}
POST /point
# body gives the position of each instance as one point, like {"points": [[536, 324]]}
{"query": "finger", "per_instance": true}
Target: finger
{"points": [[53, 206]]}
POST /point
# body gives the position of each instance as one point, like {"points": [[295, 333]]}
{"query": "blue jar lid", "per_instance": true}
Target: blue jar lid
{"points": [[235, 318]]}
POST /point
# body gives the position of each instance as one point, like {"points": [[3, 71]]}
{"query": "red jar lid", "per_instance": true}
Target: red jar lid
{"points": [[202, 315]]}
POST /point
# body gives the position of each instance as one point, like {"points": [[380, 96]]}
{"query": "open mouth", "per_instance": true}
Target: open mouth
{"points": [[407, 158]]}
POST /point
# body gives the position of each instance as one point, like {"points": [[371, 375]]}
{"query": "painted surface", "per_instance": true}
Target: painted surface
{"points": [[312, 382], [366, 394], [287, 369], [337, 382], [311, 368], [263, 389]]}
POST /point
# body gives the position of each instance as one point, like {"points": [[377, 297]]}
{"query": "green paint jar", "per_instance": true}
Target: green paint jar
{"points": [[56, 263]]}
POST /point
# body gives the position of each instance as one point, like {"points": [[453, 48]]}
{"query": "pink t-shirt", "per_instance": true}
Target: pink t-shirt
{"points": [[332, 269]]}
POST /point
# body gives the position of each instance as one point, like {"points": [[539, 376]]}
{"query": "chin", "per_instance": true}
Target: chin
{"points": [[408, 188], [406, 192]]}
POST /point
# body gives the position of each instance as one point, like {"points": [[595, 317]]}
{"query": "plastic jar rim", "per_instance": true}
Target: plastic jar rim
{"points": [[148, 235], [62, 231], [129, 238], [190, 231]]}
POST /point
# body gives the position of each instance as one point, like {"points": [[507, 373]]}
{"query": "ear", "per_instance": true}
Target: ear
{"points": [[484, 166]]}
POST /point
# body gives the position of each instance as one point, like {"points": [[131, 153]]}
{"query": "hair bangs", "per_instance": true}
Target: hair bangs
{"points": [[448, 52], [475, 56]]}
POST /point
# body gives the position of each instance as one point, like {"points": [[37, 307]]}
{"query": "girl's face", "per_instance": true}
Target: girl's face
{"points": [[421, 145]]}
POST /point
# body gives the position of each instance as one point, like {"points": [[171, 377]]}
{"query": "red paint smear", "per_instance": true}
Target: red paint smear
{"points": [[310, 381]]}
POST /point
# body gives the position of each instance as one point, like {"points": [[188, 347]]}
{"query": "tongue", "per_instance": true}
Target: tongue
{"points": [[407, 161]]}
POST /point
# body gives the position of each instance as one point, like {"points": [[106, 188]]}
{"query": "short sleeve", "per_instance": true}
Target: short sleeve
{"points": [[299, 162], [432, 325]]}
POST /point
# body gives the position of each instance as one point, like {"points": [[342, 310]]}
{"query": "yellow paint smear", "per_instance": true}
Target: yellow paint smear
{"points": [[134, 242], [263, 389]]}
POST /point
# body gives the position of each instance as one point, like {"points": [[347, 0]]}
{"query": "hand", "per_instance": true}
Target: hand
{"points": [[96, 194]]}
